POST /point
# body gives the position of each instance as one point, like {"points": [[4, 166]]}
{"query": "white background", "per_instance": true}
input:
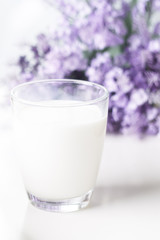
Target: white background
{"points": [[126, 202], [20, 22]]}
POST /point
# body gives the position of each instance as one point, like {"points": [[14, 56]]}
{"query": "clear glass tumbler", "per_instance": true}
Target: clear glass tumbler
{"points": [[59, 127]]}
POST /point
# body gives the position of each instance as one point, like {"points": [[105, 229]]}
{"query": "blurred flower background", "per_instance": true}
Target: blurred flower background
{"points": [[113, 43]]}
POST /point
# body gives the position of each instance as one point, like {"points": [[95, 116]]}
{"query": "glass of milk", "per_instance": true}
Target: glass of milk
{"points": [[60, 127]]}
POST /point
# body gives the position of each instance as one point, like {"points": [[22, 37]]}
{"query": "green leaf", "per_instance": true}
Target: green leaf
{"points": [[90, 54], [133, 3], [115, 51], [149, 11]]}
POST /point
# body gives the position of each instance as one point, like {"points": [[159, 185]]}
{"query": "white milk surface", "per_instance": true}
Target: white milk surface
{"points": [[59, 149]]}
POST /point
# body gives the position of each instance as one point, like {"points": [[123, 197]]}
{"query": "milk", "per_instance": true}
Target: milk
{"points": [[59, 149]]}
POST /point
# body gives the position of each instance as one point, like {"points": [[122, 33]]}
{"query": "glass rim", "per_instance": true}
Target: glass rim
{"points": [[105, 95]]}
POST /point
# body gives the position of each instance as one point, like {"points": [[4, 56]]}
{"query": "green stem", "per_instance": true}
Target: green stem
{"points": [[149, 11]]}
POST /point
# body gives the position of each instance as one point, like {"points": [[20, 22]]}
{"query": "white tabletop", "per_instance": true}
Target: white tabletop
{"points": [[122, 207]]}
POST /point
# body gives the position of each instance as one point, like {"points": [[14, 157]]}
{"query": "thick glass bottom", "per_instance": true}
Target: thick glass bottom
{"points": [[65, 205]]}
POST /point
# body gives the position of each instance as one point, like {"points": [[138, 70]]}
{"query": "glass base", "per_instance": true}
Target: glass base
{"points": [[66, 205]]}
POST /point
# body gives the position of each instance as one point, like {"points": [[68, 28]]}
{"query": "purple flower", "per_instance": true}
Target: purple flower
{"points": [[23, 63], [98, 67], [138, 98], [119, 80], [113, 43], [157, 29]]}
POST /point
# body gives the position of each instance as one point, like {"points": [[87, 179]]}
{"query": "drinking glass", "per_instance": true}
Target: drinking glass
{"points": [[59, 128]]}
